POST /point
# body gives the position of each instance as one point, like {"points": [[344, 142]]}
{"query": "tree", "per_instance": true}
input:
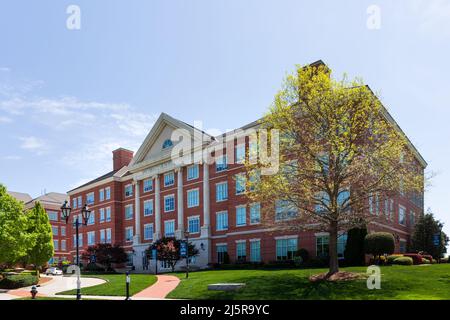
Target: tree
{"points": [[337, 147], [354, 253], [168, 250], [105, 254], [379, 243], [40, 230], [14, 241], [422, 239]]}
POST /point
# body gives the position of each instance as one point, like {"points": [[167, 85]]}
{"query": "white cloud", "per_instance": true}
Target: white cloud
{"points": [[5, 69], [34, 144], [433, 15], [5, 119], [12, 157]]}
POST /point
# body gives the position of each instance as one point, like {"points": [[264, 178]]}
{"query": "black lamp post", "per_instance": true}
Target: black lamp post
{"points": [[186, 235], [85, 213]]}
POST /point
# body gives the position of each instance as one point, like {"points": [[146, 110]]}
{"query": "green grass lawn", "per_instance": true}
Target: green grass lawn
{"points": [[397, 282], [115, 285]]}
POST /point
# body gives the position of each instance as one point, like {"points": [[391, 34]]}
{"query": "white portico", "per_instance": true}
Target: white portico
{"points": [[156, 157]]}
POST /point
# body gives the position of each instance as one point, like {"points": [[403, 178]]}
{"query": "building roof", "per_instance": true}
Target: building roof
{"points": [[105, 176], [24, 197], [51, 197]]}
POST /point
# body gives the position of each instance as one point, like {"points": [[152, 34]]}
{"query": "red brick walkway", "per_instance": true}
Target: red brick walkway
{"points": [[160, 289]]}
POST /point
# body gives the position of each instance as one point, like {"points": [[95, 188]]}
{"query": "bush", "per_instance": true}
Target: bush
{"points": [[354, 248], [405, 261], [303, 253], [433, 261], [317, 262], [391, 258], [379, 243], [18, 281], [425, 261], [417, 258], [93, 267]]}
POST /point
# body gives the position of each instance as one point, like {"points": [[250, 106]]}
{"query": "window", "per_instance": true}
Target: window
{"points": [[91, 220], [167, 144], [63, 231], [284, 210], [129, 234], [286, 248], [254, 178], [148, 185], [391, 209], [63, 245], [128, 190], [108, 214], [169, 228], [322, 202], [169, 179], [91, 238], [255, 250], [194, 224], [148, 231], [240, 153], [102, 215], [130, 259], [79, 202], [108, 235], [221, 163], [74, 203], [402, 246], [148, 208], [192, 198], [343, 199], [90, 198], [101, 194], [253, 149], [240, 183], [56, 245], [341, 243], [52, 215], [55, 230], [102, 236], [221, 191], [401, 215], [255, 213], [322, 245], [222, 253], [241, 253], [222, 220], [412, 218], [386, 208], [129, 212], [74, 239], [241, 213], [80, 239], [192, 172], [107, 193], [169, 203]]}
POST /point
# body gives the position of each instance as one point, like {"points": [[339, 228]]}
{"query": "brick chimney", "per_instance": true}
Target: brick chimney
{"points": [[121, 157]]}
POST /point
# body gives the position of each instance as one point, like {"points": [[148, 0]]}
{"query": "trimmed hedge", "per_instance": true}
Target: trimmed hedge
{"points": [[18, 281], [404, 261], [379, 243], [391, 258], [417, 258]]}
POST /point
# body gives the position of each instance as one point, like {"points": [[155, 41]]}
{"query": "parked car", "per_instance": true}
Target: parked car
{"points": [[54, 271]]}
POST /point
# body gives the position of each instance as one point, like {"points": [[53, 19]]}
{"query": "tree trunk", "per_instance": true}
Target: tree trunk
{"points": [[332, 249]]}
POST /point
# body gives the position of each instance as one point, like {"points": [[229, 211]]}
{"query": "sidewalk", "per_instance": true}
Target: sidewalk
{"points": [[163, 286]]}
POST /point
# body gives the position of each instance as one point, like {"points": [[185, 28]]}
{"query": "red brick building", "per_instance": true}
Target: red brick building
{"points": [[165, 190]]}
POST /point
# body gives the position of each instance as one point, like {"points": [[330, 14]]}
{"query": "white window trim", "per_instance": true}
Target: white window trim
{"points": [[245, 207], [132, 233], [286, 237], [228, 218], [240, 241], [164, 179], [254, 240], [153, 227], [143, 185], [167, 196], [198, 172], [171, 220], [220, 157], [132, 215], [223, 182], [192, 218], [125, 189], [152, 202], [187, 197], [250, 213], [106, 193]]}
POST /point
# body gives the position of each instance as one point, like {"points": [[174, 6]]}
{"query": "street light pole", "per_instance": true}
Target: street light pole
{"points": [[186, 234], [77, 228]]}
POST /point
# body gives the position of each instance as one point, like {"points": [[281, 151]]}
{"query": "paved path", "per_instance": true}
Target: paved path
{"points": [[160, 289], [50, 288]]}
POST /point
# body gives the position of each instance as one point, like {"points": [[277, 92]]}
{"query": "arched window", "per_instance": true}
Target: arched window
{"points": [[167, 144]]}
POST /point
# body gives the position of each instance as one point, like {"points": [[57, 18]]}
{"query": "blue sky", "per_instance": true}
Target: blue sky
{"points": [[69, 97]]}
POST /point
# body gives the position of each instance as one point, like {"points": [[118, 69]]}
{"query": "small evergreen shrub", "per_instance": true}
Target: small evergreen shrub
{"points": [[303, 253], [18, 281], [404, 261], [425, 261], [379, 243], [391, 258]]}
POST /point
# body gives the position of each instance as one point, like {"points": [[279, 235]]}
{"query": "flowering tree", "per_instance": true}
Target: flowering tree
{"points": [[168, 250], [105, 254], [338, 147]]}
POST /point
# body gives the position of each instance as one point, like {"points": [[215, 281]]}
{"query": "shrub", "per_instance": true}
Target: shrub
{"points": [[417, 258], [425, 261], [391, 258], [433, 261], [354, 248], [18, 281], [405, 261], [303, 253], [379, 243], [318, 262]]}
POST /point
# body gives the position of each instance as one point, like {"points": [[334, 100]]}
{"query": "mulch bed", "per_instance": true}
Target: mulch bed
{"points": [[43, 280], [339, 276]]}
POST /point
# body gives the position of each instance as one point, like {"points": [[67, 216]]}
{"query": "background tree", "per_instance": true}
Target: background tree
{"points": [[338, 146], [379, 243], [105, 254], [422, 238], [354, 252], [168, 250], [14, 241], [40, 230]]}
